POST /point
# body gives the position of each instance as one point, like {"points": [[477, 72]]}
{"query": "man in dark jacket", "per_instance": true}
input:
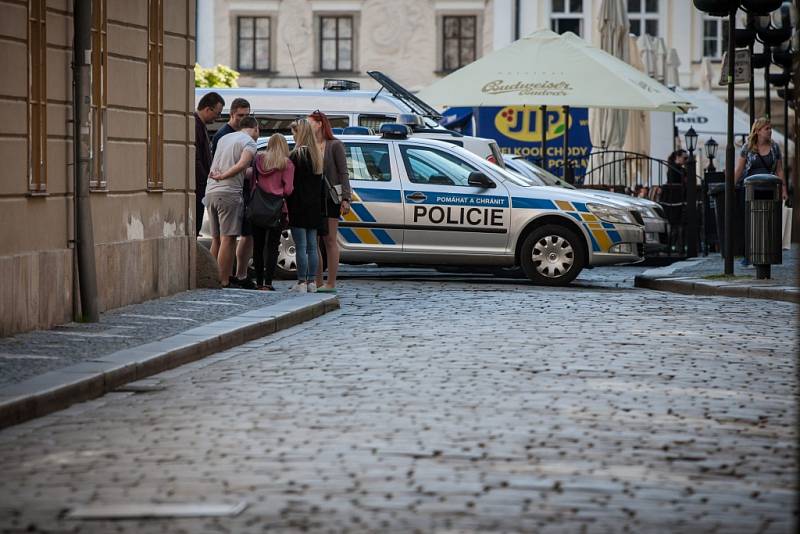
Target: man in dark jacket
{"points": [[208, 109]]}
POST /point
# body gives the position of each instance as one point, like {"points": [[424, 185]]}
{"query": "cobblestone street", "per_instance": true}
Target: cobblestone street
{"points": [[452, 407]]}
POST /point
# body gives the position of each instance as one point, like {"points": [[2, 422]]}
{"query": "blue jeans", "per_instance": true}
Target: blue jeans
{"points": [[305, 243]]}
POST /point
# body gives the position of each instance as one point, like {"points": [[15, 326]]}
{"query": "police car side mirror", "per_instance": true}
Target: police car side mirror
{"points": [[478, 179]]}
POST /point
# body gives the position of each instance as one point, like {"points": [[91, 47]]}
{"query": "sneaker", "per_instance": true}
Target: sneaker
{"points": [[312, 287], [265, 287], [241, 283], [299, 287]]}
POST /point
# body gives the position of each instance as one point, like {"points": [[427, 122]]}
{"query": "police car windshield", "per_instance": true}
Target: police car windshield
{"points": [[546, 177]]}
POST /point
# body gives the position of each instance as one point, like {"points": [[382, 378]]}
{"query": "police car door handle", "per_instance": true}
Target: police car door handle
{"points": [[416, 196]]}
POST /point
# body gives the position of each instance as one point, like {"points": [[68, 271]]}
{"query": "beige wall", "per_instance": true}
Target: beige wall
{"points": [[399, 38], [144, 239]]}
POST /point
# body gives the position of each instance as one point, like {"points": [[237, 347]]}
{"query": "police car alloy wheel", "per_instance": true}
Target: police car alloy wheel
{"points": [[287, 257], [552, 255]]}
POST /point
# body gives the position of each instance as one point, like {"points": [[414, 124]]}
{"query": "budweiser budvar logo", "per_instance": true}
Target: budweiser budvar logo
{"points": [[497, 87]]}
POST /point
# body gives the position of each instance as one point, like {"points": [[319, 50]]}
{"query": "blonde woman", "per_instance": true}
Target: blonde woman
{"points": [[274, 174], [305, 204], [760, 155]]}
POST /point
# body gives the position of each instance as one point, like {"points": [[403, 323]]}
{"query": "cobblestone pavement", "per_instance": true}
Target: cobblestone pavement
{"points": [[447, 407], [33, 353]]}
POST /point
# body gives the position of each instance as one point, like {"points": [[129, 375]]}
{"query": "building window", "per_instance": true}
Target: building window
{"points": [[643, 17], [567, 16], [715, 37], [336, 43], [253, 35], [37, 96], [155, 95], [459, 42], [97, 178]]}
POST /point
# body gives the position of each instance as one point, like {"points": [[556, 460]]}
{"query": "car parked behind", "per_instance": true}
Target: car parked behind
{"points": [[651, 213]]}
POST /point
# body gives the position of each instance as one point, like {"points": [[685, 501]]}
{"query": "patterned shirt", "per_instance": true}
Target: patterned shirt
{"points": [[754, 163]]}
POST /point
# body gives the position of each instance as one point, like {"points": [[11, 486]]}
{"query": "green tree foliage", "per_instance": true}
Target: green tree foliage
{"points": [[219, 76]]}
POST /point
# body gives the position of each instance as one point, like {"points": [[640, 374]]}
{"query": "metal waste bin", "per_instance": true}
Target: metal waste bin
{"points": [[716, 193], [763, 214]]}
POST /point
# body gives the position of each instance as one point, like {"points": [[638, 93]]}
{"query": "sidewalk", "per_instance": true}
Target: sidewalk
{"points": [[704, 276], [48, 370]]}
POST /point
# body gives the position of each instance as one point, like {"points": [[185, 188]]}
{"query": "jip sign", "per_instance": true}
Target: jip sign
{"points": [[518, 130]]}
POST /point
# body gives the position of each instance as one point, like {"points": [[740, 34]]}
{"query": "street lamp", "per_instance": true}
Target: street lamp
{"points": [[711, 152], [691, 196]]}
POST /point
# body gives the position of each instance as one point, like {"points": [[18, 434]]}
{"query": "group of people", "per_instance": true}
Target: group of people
{"points": [[310, 182]]}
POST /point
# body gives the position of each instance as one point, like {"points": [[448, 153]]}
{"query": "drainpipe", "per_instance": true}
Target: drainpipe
{"points": [[84, 235], [516, 19]]}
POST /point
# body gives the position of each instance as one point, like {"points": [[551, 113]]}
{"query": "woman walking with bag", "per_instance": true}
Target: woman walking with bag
{"points": [[337, 195], [274, 175], [305, 204]]}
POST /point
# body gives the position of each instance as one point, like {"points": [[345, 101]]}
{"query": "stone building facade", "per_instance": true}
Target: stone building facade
{"points": [[413, 41], [142, 146]]}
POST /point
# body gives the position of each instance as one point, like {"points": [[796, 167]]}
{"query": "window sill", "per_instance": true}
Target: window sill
{"points": [[37, 194], [258, 72], [156, 190], [320, 73], [713, 60]]}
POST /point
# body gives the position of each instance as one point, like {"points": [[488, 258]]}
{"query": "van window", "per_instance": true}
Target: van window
{"points": [[270, 123], [374, 121], [368, 161]]}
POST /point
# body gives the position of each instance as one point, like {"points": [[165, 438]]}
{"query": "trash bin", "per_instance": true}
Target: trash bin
{"points": [[763, 229], [716, 193]]}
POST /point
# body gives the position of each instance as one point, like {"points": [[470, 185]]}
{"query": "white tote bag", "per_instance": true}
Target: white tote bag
{"points": [[787, 227]]}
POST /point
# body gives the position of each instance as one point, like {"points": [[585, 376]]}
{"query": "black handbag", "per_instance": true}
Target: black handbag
{"points": [[264, 209]]}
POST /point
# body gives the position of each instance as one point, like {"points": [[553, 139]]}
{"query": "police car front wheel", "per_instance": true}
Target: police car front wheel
{"points": [[552, 255]]}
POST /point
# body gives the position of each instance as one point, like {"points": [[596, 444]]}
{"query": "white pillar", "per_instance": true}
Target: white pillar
{"points": [[205, 33]]}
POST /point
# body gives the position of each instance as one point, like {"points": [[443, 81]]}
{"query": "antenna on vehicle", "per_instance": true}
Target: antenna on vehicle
{"points": [[293, 65], [376, 94]]}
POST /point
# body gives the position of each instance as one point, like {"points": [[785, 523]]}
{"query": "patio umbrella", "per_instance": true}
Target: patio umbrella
{"points": [[673, 78], [545, 68], [637, 136], [707, 75], [648, 54], [608, 126]]}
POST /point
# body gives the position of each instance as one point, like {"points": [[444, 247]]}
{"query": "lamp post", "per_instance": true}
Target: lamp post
{"points": [[711, 152], [691, 196]]}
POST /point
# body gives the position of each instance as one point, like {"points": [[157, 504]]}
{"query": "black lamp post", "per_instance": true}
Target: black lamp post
{"points": [[711, 152], [691, 196]]}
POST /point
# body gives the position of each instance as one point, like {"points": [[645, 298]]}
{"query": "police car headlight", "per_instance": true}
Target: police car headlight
{"points": [[609, 214], [650, 213]]}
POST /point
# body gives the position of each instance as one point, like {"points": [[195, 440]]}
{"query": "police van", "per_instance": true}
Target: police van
{"points": [[427, 202], [348, 107]]}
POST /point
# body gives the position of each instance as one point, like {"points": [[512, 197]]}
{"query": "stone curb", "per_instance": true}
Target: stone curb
{"points": [[59, 389], [703, 287]]}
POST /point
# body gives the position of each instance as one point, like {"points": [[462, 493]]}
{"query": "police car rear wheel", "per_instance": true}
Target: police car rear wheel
{"points": [[552, 255]]}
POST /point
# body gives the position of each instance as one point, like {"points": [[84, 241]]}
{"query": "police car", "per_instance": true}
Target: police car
{"points": [[426, 202]]}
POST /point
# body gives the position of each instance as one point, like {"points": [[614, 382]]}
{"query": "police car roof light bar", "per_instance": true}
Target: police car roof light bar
{"points": [[392, 130]]}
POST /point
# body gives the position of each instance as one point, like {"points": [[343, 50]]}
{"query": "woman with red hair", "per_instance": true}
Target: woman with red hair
{"points": [[336, 183]]}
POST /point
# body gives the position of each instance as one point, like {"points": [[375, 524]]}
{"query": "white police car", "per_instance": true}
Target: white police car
{"points": [[426, 202]]}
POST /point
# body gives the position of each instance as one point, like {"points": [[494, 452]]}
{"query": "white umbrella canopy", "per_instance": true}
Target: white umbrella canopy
{"points": [[547, 69]]}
